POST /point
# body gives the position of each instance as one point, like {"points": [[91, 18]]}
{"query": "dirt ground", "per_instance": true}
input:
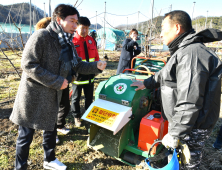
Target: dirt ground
{"points": [[72, 149]]}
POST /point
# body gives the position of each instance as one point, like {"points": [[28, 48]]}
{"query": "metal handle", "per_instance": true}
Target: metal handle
{"points": [[145, 58], [140, 71], [143, 66], [127, 75]]}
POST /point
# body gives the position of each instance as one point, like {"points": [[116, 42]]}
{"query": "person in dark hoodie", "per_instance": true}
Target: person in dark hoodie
{"points": [[130, 49], [190, 84]]}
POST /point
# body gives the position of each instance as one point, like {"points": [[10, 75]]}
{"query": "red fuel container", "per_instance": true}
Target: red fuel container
{"points": [[152, 127]]}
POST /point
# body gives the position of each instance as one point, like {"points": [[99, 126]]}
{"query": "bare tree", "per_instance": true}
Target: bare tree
{"points": [[20, 46], [75, 5]]}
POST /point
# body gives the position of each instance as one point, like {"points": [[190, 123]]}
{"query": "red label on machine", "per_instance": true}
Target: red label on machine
{"points": [[102, 116]]}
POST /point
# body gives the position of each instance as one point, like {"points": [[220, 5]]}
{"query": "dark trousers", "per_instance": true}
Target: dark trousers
{"points": [[63, 108], [196, 141], [218, 142], [76, 94], [23, 144]]}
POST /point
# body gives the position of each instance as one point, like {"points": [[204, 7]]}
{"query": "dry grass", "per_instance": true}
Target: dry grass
{"points": [[9, 80], [73, 150]]}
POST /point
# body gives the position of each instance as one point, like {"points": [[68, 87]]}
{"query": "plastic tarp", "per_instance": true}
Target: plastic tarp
{"points": [[109, 46], [113, 38], [165, 48]]}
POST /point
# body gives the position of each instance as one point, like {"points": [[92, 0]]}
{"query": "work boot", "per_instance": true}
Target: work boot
{"points": [[77, 122]]}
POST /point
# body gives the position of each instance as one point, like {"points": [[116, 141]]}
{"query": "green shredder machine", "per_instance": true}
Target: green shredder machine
{"points": [[115, 116]]}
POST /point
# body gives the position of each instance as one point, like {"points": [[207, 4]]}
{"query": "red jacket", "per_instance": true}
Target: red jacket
{"points": [[93, 56], [91, 46]]}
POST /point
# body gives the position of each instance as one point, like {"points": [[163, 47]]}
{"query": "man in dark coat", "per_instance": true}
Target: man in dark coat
{"points": [[130, 49], [190, 84], [47, 60]]}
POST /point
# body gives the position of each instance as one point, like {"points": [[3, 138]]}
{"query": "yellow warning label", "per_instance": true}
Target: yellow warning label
{"points": [[102, 116]]}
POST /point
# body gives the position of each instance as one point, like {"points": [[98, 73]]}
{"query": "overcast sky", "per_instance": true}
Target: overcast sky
{"points": [[125, 7]]}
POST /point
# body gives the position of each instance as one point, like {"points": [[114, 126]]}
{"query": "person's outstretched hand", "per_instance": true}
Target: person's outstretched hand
{"points": [[101, 65], [64, 84], [139, 84]]}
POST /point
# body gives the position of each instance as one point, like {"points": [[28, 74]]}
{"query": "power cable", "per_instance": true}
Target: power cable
{"points": [[96, 15], [140, 5], [107, 22], [157, 13], [121, 39], [122, 15], [110, 24], [144, 15]]}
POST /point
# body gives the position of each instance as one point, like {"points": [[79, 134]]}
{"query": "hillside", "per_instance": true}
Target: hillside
{"points": [[20, 13], [143, 26], [212, 22], [93, 26], [198, 24]]}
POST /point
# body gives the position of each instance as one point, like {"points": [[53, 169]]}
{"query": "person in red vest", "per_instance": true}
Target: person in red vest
{"points": [[87, 50]]}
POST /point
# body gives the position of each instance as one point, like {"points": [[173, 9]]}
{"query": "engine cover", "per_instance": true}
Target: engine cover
{"points": [[152, 127]]}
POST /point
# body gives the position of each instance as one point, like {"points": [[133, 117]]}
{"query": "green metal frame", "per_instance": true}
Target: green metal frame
{"points": [[126, 140]]}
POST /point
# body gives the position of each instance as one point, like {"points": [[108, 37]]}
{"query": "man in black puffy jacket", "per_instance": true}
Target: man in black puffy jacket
{"points": [[190, 84], [130, 49]]}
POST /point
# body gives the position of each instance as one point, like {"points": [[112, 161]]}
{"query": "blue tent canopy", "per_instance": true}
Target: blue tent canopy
{"points": [[113, 38]]}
